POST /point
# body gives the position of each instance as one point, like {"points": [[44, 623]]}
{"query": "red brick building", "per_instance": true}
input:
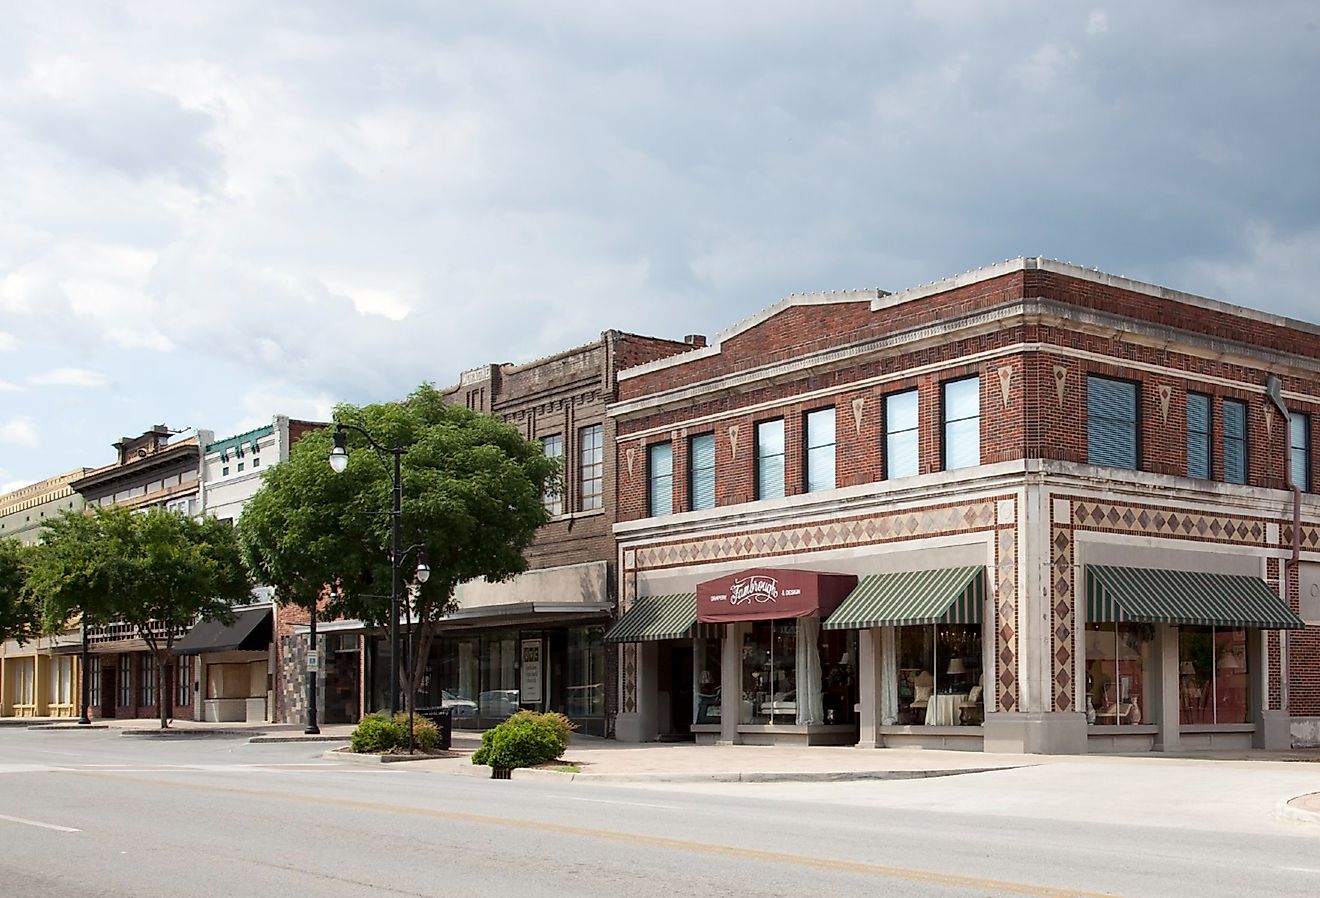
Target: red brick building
{"points": [[1060, 501]]}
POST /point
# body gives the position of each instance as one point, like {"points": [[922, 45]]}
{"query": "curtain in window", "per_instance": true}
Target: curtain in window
{"points": [[810, 708]]}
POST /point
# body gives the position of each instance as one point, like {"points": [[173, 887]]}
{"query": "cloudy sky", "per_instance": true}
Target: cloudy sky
{"points": [[214, 212]]}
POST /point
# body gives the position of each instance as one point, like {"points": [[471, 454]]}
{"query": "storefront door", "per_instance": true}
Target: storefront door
{"points": [[680, 689]]}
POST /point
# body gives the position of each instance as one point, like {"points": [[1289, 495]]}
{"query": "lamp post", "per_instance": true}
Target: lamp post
{"points": [[313, 672], [339, 462], [84, 684]]}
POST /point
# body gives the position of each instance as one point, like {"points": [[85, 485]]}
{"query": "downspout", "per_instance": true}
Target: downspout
{"points": [[1274, 389]]}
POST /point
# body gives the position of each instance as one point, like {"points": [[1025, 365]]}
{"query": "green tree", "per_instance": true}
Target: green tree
{"points": [[472, 494], [157, 571], [19, 616]]}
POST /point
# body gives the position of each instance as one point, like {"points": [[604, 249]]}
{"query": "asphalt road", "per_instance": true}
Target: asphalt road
{"points": [[95, 813]]}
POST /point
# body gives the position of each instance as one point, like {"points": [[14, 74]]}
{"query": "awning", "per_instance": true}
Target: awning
{"points": [[652, 618], [770, 593], [250, 632], [945, 596], [1196, 598]]}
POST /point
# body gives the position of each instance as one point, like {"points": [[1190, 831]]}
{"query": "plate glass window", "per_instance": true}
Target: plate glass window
{"points": [[660, 478], [1111, 422], [901, 455], [1198, 436], [1235, 441], [148, 679], [701, 480], [962, 423], [125, 680], [1120, 673], [820, 450], [553, 497], [770, 459], [592, 450], [1299, 441]]}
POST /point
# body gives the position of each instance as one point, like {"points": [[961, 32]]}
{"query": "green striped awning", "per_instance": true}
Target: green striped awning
{"points": [[653, 618], [1154, 596], [945, 596]]}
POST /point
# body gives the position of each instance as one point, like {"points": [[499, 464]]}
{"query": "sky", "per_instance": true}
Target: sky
{"points": [[212, 213]]}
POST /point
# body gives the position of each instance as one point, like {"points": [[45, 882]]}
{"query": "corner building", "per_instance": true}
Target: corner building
{"points": [[1033, 507]]}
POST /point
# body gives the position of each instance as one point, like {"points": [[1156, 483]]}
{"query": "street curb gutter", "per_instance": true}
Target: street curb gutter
{"points": [[377, 760], [70, 726], [784, 777], [187, 734], [1293, 813], [267, 740]]}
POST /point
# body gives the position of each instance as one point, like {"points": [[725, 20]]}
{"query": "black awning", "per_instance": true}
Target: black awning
{"points": [[251, 631]]}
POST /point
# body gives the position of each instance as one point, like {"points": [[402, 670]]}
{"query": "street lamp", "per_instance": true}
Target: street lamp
{"points": [[339, 462]]}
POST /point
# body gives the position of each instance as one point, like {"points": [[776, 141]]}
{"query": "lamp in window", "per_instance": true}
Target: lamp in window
{"points": [[1187, 669], [956, 667], [1228, 663]]}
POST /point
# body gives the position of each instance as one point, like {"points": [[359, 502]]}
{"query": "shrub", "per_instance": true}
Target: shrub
{"points": [[377, 733], [524, 740], [426, 735]]}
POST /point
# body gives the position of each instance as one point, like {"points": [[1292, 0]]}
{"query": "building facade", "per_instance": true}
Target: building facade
{"points": [[1033, 507], [536, 640], [38, 678], [152, 470]]}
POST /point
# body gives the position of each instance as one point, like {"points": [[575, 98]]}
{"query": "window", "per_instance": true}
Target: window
{"points": [[939, 675], [94, 682], [224, 472], [61, 680], [707, 703], [184, 676], [820, 450], [701, 474], [256, 461], [148, 679], [901, 449], [1198, 436], [1111, 422], [126, 681], [1212, 675], [770, 459], [1299, 445], [660, 478], [591, 447], [962, 423], [1120, 673], [1235, 441], [240, 466], [553, 497]]}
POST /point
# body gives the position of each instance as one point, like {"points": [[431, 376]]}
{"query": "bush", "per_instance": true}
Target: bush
{"points": [[426, 735], [376, 733], [524, 740]]}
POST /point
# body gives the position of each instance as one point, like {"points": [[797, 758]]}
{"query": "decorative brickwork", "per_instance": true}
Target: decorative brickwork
{"points": [[1006, 619], [1062, 615], [1153, 520]]}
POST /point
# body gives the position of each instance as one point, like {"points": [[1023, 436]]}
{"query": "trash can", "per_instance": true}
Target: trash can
{"points": [[443, 718]]}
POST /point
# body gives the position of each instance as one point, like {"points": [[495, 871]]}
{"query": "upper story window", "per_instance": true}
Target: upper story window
{"points": [[1198, 436], [1234, 449], [902, 456], [820, 450], [962, 423], [660, 478], [1299, 450], [770, 459], [591, 447], [1111, 422], [701, 473], [553, 498]]}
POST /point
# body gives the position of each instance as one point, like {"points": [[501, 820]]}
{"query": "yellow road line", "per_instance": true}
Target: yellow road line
{"points": [[860, 868]]}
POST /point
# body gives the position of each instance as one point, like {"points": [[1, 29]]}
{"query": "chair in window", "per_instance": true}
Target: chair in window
{"points": [[971, 710], [922, 686]]}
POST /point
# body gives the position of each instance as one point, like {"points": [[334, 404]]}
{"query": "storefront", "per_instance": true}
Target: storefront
{"points": [[231, 665]]}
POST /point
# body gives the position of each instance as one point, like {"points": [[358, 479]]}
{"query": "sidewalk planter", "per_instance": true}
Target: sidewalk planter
{"points": [[501, 773]]}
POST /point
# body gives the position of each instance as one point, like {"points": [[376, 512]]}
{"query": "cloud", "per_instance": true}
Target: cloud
{"points": [[68, 377], [10, 485], [1097, 22], [8, 342], [20, 431], [7, 387]]}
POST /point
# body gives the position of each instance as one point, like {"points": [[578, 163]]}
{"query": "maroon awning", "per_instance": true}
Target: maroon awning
{"points": [[765, 593]]}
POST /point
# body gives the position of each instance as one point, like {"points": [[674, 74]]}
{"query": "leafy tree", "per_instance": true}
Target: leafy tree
{"points": [[156, 570], [19, 617], [472, 494]]}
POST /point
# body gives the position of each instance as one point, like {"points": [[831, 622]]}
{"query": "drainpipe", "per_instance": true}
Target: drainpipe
{"points": [[1274, 389]]}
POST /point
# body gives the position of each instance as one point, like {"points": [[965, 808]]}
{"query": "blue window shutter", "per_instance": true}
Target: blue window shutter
{"points": [[701, 457], [1235, 441], [1111, 422], [1198, 436]]}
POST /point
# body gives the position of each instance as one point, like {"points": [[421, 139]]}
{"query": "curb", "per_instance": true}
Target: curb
{"points": [[188, 734], [376, 760], [783, 777], [1290, 812], [70, 726], [267, 740]]}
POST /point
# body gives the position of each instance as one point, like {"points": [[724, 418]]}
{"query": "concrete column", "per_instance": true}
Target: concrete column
{"points": [[641, 725], [731, 683], [1273, 729], [1166, 714], [868, 688]]}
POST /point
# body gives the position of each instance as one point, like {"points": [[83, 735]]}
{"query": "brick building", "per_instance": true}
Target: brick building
{"points": [[1031, 507]]}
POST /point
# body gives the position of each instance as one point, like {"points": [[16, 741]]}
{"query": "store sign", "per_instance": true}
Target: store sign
{"points": [[764, 594], [531, 671]]}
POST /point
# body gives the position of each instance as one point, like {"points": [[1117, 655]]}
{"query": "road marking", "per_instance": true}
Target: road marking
{"points": [[26, 822], [1302, 869], [859, 868], [631, 804]]}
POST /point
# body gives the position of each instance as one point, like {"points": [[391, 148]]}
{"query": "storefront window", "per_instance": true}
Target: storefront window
{"points": [[708, 692], [1120, 673], [939, 675], [838, 672], [585, 695], [499, 684], [770, 673], [1212, 676]]}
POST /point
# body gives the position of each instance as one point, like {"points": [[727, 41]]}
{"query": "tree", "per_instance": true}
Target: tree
{"points": [[472, 494], [19, 617], [158, 571]]}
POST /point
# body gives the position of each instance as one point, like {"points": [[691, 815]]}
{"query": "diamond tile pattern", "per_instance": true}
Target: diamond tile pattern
{"points": [[1160, 521], [853, 532], [628, 704], [1062, 616], [1310, 536], [1006, 569]]}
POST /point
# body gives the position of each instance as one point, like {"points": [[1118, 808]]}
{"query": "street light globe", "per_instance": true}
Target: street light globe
{"points": [[338, 460], [423, 572]]}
